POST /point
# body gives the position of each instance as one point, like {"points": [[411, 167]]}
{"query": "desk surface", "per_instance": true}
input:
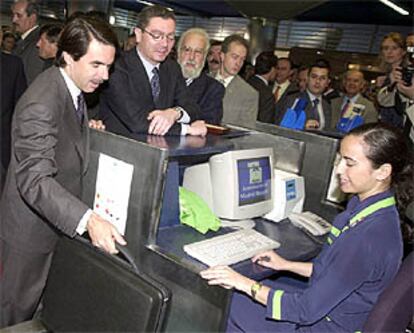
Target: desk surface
{"points": [[295, 245]]}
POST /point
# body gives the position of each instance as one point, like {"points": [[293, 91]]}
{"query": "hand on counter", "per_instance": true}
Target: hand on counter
{"points": [[97, 124]]}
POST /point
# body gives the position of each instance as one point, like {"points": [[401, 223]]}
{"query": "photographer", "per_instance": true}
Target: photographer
{"points": [[401, 88]]}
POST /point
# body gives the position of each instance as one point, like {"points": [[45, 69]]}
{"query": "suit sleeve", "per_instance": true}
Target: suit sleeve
{"points": [[267, 110], [212, 105], [20, 83], [35, 149], [181, 95]]}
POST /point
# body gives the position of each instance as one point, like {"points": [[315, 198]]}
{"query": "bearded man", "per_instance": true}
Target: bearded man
{"points": [[207, 92]]}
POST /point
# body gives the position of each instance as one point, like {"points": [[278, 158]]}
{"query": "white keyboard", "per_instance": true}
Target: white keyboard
{"points": [[230, 248]]}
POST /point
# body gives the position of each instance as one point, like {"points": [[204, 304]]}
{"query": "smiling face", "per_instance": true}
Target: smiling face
{"points": [[284, 71], [191, 55], [353, 83], [233, 60], [91, 69], [156, 51], [355, 171]]}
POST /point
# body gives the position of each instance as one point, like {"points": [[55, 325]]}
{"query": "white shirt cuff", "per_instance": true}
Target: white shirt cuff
{"points": [[184, 129], [185, 119], [84, 220]]}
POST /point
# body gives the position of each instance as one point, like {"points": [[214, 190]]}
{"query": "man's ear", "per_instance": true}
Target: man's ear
{"points": [[138, 35], [384, 172], [68, 58]]}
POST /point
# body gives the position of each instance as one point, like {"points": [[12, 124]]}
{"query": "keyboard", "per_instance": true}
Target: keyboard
{"points": [[230, 248]]}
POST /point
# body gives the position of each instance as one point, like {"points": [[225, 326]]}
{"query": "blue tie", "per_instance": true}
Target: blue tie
{"points": [[155, 84]]}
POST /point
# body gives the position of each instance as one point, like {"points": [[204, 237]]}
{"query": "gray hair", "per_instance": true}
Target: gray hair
{"points": [[196, 31]]}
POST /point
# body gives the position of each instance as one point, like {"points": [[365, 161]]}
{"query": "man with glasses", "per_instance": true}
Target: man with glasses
{"points": [[146, 92], [204, 90]]}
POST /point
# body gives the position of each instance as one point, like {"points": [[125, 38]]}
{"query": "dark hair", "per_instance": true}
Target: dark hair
{"points": [[51, 31], [79, 32], [387, 144], [288, 60], [153, 11], [233, 39], [264, 62], [214, 42], [9, 34], [320, 63]]}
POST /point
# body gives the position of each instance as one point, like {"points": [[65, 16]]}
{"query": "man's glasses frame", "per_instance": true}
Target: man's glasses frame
{"points": [[157, 37]]}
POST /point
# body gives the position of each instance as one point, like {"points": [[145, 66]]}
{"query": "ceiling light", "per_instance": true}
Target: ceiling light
{"points": [[145, 2], [395, 7]]}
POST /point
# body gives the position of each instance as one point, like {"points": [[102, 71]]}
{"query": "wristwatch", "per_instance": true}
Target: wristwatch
{"points": [[255, 289], [180, 111]]}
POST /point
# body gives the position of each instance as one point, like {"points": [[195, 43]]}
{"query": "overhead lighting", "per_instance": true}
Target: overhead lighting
{"points": [[112, 20], [395, 7], [145, 2]]}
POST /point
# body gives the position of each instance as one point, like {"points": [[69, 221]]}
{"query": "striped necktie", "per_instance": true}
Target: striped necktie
{"points": [[155, 84], [81, 109]]}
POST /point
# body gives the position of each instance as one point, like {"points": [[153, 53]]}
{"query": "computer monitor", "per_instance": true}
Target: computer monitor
{"points": [[236, 184], [334, 193]]}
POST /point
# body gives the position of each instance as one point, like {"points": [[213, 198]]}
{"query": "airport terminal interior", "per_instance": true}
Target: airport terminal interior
{"points": [[187, 203]]}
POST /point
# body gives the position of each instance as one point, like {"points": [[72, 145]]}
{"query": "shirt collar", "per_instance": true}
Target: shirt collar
{"points": [[263, 79], [73, 88], [352, 100], [147, 65], [282, 85], [225, 81], [313, 97], [27, 33]]}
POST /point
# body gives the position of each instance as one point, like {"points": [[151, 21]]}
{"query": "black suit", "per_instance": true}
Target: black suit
{"points": [[27, 50], [208, 93], [266, 100], [41, 195], [13, 84], [288, 101], [127, 100]]}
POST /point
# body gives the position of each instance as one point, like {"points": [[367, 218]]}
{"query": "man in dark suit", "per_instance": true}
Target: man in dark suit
{"points": [[12, 85], [40, 200], [25, 15], [265, 69], [47, 43], [146, 92], [318, 110], [204, 90], [282, 86]]}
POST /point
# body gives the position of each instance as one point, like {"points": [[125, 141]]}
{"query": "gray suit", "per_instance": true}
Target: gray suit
{"points": [[240, 103], [26, 49], [370, 113], [43, 186]]}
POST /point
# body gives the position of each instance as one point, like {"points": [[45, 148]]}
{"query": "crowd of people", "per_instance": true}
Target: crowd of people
{"points": [[146, 88]]}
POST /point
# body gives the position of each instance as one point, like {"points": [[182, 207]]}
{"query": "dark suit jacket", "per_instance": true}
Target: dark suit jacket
{"points": [[266, 100], [126, 99], [49, 157], [26, 49], [208, 93], [281, 108], [13, 84]]}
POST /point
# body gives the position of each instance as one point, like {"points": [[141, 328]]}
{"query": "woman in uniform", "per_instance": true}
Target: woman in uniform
{"points": [[360, 258]]}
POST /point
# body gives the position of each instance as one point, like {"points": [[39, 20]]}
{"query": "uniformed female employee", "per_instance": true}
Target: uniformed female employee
{"points": [[361, 257]]}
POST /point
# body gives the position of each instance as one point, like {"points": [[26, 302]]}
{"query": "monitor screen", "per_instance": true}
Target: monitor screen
{"points": [[254, 177]]}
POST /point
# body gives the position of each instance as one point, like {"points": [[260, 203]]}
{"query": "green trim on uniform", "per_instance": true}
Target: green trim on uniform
{"points": [[384, 203], [277, 304]]}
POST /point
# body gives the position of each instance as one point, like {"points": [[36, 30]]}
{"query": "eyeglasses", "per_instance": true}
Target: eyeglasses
{"points": [[189, 50], [158, 36]]}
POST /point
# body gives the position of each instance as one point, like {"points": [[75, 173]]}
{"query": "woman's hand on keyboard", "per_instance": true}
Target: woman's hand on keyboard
{"points": [[227, 278], [271, 259]]}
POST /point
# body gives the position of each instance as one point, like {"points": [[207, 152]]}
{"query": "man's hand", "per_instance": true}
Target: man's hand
{"points": [[197, 128], [103, 234], [161, 121], [97, 124], [312, 124]]}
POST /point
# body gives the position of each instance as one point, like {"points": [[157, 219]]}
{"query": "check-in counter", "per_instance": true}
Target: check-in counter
{"points": [[155, 238]]}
